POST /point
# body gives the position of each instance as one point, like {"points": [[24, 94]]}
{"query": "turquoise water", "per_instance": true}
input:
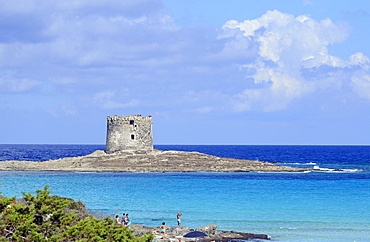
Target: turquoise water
{"points": [[288, 207], [316, 206]]}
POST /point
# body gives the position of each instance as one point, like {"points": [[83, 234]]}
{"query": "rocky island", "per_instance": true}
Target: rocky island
{"points": [[148, 161], [129, 148]]}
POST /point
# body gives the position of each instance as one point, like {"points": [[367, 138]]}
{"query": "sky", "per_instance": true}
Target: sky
{"points": [[246, 72]]}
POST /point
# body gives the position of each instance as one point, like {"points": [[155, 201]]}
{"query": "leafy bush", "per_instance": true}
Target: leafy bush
{"points": [[42, 218]]}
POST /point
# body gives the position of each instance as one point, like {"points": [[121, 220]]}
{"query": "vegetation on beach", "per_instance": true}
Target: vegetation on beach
{"points": [[42, 217]]}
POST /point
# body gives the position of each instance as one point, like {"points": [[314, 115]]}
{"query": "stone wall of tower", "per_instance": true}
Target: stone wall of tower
{"points": [[129, 133]]}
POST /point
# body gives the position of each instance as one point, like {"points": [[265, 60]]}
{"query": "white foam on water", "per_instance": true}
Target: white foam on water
{"points": [[317, 168]]}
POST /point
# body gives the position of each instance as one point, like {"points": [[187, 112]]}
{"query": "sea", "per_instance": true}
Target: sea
{"points": [[331, 203]]}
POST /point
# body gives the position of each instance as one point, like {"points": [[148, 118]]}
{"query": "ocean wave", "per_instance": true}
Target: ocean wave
{"points": [[317, 168]]}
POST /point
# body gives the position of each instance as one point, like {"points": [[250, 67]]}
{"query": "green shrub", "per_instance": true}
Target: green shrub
{"points": [[45, 218]]}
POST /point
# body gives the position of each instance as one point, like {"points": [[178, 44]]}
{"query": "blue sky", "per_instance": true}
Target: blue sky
{"points": [[209, 72]]}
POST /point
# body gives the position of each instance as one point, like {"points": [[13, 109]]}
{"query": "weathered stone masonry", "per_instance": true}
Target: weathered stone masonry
{"points": [[129, 133]]}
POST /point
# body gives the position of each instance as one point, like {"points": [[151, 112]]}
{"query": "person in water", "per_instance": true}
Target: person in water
{"points": [[163, 228]]}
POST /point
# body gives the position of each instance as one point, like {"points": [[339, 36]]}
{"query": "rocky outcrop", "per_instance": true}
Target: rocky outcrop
{"points": [[147, 161], [177, 233]]}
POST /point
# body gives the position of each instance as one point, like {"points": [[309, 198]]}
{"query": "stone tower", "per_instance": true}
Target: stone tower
{"points": [[129, 133]]}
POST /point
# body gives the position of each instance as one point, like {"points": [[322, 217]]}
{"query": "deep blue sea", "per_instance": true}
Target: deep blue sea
{"points": [[327, 205]]}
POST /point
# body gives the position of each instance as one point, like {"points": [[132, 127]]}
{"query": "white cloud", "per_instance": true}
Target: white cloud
{"points": [[83, 47], [359, 59], [8, 84], [294, 60], [81, 32], [361, 84], [108, 100], [108, 7]]}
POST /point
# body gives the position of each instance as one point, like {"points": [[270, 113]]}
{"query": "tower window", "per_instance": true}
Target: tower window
{"points": [[132, 136], [132, 122]]}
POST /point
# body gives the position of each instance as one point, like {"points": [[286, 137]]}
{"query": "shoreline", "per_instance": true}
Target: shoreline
{"points": [[148, 161]]}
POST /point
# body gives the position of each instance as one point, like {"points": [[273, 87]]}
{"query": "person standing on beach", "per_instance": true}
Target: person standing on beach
{"points": [[163, 228], [118, 222], [123, 219], [178, 216], [127, 220]]}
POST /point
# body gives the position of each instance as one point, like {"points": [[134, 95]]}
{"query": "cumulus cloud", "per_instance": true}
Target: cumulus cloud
{"points": [[294, 60]]}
